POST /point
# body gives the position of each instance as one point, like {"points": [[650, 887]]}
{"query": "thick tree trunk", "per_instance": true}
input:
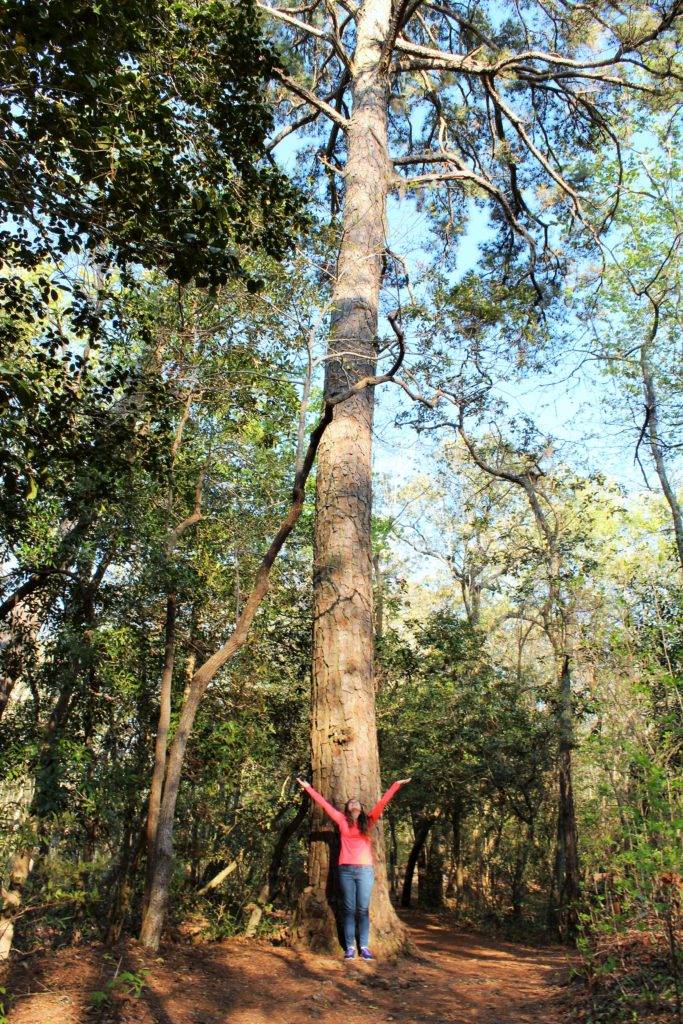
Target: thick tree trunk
{"points": [[565, 891], [344, 752], [421, 833]]}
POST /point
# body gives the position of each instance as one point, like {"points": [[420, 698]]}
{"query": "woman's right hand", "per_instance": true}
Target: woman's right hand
{"points": [[302, 782]]}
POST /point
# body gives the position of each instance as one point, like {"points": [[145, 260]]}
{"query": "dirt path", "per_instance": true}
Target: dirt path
{"points": [[459, 977]]}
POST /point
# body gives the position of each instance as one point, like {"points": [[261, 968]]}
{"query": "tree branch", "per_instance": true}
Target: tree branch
{"points": [[289, 19], [463, 173], [315, 101]]}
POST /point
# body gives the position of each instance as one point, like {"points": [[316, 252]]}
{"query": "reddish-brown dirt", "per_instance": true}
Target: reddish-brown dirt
{"points": [[457, 977]]}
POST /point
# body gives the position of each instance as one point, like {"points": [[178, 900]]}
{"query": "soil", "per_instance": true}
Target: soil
{"points": [[457, 977]]}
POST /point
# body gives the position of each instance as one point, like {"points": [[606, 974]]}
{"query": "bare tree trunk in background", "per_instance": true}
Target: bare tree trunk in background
{"points": [[431, 891], [393, 856], [421, 833], [161, 744], [271, 886], [458, 872], [563, 904], [651, 407], [344, 751], [21, 865], [18, 646]]}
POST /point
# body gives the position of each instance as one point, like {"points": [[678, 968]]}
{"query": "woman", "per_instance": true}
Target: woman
{"points": [[356, 871]]}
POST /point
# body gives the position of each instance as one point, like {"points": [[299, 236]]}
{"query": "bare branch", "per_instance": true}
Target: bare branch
{"points": [[427, 58], [303, 26], [447, 12], [194, 517], [518, 125], [315, 101], [333, 38], [463, 173]]}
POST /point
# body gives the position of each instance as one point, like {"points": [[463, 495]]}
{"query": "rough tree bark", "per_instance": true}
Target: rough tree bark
{"points": [[345, 759]]}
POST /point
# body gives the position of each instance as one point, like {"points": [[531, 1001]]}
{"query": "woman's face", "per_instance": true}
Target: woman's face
{"points": [[354, 808]]}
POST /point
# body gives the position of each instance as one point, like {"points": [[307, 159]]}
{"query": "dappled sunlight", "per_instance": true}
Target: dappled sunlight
{"points": [[457, 977]]}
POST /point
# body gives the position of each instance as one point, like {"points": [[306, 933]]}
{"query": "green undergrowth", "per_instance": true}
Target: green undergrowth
{"points": [[629, 977]]}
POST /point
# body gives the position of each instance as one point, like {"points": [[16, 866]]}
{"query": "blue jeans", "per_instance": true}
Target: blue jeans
{"points": [[356, 882]]}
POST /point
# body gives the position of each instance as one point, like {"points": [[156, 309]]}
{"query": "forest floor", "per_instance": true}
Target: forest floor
{"points": [[457, 977]]}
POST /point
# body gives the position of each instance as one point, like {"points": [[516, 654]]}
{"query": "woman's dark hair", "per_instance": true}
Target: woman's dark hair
{"points": [[362, 819]]}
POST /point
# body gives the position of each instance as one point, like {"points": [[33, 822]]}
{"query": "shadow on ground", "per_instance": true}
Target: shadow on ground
{"points": [[458, 977]]}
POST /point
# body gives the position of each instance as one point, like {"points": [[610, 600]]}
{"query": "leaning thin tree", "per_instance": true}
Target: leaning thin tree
{"points": [[478, 99], [159, 869]]}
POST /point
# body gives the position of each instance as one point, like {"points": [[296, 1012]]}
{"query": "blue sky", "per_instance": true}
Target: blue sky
{"points": [[570, 401], [567, 402]]}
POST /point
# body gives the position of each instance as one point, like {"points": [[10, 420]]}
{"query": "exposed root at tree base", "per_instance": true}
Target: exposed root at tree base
{"points": [[458, 977]]}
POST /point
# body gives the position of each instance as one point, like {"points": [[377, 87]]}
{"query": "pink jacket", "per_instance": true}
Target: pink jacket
{"points": [[355, 847]]}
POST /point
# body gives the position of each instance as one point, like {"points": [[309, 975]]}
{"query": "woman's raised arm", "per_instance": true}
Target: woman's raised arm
{"points": [[331, 811], [376, 811]]}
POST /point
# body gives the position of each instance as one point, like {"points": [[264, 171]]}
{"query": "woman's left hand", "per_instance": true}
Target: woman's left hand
{"points": [[404, 782]]}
